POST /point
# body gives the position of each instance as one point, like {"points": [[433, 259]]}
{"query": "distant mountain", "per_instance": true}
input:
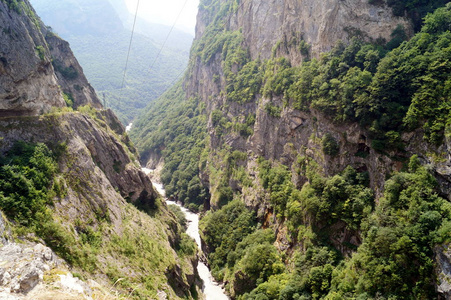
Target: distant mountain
{"points": [[99, 33], [79, 17]]}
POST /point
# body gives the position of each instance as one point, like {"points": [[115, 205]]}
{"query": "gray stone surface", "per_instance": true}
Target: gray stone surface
{"points": [[28, 82], [443, 270], [28, 85]]}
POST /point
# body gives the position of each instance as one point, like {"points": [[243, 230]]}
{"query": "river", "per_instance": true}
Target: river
{"points": [[211, 289]]}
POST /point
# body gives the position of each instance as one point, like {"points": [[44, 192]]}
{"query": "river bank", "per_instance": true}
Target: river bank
{"points": [[211, 289]]}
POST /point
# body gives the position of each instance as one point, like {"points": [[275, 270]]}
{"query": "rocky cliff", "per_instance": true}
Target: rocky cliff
{"points": [[272, 29], [29, 52], [100, 214], [320, 24], [70, 74], [29, 85]]}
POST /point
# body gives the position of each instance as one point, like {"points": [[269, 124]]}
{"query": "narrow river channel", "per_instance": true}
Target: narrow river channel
{"points": [[211, 289]]}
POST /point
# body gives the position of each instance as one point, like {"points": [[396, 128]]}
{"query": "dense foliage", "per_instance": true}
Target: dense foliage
{"points": [[26, 181], [394, 260], [28, 184], [224, 229], [178, 135]]}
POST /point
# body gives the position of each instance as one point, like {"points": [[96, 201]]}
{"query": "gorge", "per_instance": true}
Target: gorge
{"points": [[210, 288], [315, 134], [311, 139]]}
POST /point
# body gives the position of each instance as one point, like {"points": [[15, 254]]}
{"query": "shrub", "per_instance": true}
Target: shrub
{"points": [[40, 51], [273, 110], [68, 99], [330, 145]]}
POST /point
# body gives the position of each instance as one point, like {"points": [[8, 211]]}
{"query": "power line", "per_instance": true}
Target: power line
{"points": [[186, 68], [161, 49], [129, 48], [167, 37]]}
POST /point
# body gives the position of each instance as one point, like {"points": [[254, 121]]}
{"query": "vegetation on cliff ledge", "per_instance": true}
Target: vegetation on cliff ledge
{"points": [[393, 260]]}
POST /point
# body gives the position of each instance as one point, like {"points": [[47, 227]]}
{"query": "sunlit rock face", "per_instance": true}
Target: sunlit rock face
{"points": [[319, 23], [29, 83], [443, 271]]}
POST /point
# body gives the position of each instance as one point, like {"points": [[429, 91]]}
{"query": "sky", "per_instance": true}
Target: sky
{"points": [[166, 12]]}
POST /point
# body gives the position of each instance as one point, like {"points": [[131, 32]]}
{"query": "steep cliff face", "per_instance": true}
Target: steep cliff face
{"points": [[28, 84], [97, 164], [70, 74], [29, 52], [319, 23], [279, 28], [272, 29], [99, 212]]}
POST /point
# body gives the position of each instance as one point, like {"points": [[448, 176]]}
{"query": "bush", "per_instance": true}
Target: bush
{"points": [[67, 72], [26, 176], [40, 51], [273, 110], [68, 99], [330, 145]]}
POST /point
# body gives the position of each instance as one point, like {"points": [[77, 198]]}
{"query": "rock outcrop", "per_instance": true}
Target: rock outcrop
{"points": [[96, 164], [34, 271], [28, 85], [29, 55], [443, 271], [70, 74], [319, 23]]}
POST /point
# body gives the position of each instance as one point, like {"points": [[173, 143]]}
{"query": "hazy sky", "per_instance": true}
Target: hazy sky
{"points": [[166, 11]]}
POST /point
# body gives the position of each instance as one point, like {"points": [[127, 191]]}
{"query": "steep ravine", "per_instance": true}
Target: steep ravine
{"points": [[292, 126], [211, 289]]}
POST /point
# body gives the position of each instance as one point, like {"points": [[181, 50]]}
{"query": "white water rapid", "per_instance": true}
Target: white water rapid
{"points": [[211, 289]]}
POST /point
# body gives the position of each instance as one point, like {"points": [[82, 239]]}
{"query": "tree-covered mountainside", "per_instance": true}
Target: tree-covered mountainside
{"points": [[327, 174], [100, 41]]}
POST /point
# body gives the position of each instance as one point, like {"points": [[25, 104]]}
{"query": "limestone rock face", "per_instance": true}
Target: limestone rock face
{"points": [[28, 85], [4, 230], [70, 74], [96, 164], [443, 271], [33, 271], [321, 24]]}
